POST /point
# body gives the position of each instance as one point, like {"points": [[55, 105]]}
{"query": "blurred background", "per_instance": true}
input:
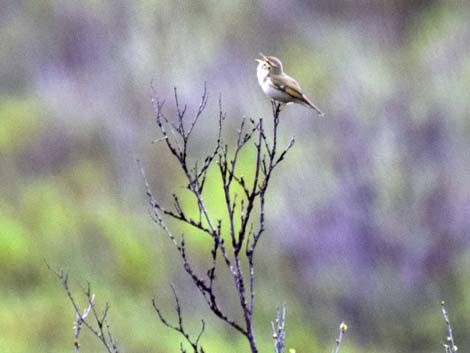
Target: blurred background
{"points": [[367, 219]]}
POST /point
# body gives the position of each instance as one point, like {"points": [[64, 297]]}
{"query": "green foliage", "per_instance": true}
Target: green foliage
{"points": [[21, 122], [15, 248]]}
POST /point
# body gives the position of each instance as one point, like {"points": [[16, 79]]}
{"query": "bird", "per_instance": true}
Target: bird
{"points": [[279, 86]]}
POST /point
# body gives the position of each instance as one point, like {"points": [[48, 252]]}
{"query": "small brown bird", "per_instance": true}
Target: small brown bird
{"points": [[279, 86]]}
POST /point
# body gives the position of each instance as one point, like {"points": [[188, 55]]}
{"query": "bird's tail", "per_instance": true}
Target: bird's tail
{"points": [[310, 104]]}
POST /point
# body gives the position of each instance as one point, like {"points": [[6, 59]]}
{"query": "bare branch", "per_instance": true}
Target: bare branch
{"points": [[201, 108], [179, 327], [102, 330], [342, 330], [449, 346], [279, 330], [240, 230]]}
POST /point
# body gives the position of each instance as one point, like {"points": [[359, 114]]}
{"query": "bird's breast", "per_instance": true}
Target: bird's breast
{"points": [[262, 75], [275, 93]]}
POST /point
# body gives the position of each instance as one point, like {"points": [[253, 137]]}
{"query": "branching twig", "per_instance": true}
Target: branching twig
{"points": [[99, 327], [194, 343], [239, 208]]}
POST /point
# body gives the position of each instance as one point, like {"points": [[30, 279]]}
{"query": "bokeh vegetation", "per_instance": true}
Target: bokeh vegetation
{"points": [[367, 220]]}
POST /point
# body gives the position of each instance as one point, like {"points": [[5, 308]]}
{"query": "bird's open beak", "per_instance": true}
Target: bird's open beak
{"points": [[264, 60]]}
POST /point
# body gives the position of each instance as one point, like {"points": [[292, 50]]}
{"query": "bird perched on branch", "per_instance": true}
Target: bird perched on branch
{"points": [[279, 86]]}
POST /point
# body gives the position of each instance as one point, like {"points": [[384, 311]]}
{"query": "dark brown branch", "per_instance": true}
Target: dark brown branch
{"points": [[180, 327], [241, 231], [206, 290]]}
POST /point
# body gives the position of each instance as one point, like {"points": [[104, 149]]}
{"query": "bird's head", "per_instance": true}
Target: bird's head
{"points": [[269, 65]]}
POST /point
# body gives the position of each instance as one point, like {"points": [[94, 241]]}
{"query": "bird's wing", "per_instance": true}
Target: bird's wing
{"points": [[288, 85]]}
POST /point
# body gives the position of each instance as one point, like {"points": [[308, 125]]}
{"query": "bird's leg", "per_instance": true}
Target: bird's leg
{"points": [[277, 106], [274, 106]]}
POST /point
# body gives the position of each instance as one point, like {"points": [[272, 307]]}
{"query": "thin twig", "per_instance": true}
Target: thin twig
{"points": [[240, 230], [179, 327], [102, 330], [279, 330], [342, 330], [449, 346]]}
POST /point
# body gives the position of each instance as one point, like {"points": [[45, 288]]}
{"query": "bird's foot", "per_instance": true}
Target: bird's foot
{"points": [[277, 106]]}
